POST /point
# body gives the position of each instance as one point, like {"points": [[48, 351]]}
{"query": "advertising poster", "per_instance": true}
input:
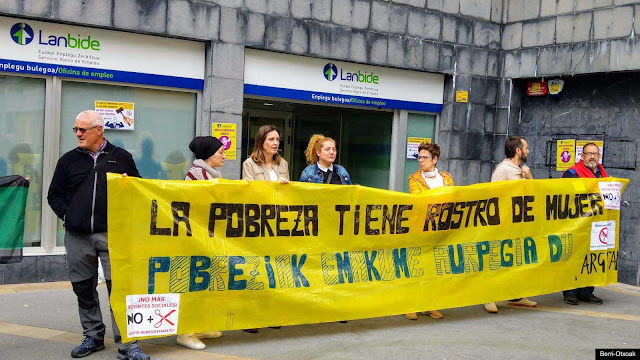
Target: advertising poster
{"points": [[566, 153], [117, 115], [226, 133], [581, 143], [412, 146]]}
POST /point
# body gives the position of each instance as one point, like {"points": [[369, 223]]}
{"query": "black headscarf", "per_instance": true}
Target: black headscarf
{"points": [[204, 146]]}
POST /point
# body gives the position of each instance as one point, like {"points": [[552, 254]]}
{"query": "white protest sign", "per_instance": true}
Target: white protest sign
{"points": [[603, 235], [610, 192], [152, 314]]}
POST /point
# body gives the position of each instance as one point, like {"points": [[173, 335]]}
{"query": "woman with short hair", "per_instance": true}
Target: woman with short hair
{"points": [[209, 155], [428, 177], [321, 155]]}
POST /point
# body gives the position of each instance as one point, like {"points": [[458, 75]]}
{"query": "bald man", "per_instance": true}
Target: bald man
{"points": [[78, 196]]}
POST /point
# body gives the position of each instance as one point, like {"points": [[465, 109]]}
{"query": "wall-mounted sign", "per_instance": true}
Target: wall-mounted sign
{"points": [[117, 115], [36, 47], [537, 88], [581, 143], [413, 143], [566, 153], [462, 96], [555, 86], [226, 133], [295, 77]]}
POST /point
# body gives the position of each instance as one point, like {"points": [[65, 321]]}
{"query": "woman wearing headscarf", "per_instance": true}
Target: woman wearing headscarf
{"points": [[265, 162], [428, 177], [209, 155], [321, 155]]}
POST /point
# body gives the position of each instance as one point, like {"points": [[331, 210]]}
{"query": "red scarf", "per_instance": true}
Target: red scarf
{"points": [[585, 172]]}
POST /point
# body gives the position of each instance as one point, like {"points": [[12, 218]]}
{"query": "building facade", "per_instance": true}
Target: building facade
{"points": [[248, 63]]}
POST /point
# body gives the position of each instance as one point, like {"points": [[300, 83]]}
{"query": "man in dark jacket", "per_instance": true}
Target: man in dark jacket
{"points": [[588, 167], [78, 195]]}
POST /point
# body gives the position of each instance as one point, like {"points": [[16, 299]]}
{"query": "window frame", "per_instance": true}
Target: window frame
{"points": [[51, 148]]}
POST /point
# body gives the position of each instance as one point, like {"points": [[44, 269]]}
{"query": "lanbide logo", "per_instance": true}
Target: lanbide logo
{"points": [[21, 33], [330, 72]]}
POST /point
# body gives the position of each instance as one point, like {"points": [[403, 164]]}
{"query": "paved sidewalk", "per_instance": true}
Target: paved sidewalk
{"points": [[40, 321]]}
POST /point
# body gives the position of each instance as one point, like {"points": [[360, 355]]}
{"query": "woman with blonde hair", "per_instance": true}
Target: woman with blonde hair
{"points": [[265, 162], [428, 177], [321, 155]]}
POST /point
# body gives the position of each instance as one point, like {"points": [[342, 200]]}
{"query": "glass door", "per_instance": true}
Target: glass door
{"points": [[305, 125], [253, 119]]}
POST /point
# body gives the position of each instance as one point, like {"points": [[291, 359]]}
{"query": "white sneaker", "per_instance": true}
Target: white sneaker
{"points": [[208, 335], [190, 341]]}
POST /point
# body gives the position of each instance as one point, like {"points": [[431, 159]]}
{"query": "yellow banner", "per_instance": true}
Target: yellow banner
{"points": [[194, 256]]}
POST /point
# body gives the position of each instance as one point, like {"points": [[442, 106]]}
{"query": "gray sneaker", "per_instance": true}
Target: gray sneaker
{"points": [[133, 354]]}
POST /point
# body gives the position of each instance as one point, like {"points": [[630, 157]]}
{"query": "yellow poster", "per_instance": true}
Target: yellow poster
{"points": [[566, 153], [581, 143], [195, 256], [462, 96], [413, 143], [226, 133], [117, 115]]}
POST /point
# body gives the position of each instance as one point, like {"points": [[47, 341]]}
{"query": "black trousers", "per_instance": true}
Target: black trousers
{"points": [[585, 291]]}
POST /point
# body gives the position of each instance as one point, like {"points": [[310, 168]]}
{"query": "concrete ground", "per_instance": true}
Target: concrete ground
{"points": [[40, 321]]}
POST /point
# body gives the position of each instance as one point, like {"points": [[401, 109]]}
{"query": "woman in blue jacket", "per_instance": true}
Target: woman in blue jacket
{"points": [[321, 153]]}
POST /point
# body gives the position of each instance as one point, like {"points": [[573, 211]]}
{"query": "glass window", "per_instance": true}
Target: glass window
{"points": [[418, 125], [22, 105], [365, 150], [164, 124]]}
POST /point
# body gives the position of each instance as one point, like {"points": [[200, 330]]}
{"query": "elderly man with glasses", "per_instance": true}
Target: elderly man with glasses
{"points": [[588, 167], [78, 196]]}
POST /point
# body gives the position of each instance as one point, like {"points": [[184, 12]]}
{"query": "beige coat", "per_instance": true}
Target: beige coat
{"points": [[507, 170], [253, 171]]}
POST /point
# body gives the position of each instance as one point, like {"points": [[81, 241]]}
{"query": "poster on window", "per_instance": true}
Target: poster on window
{"points": [[566, 153], [117, 115], [413, 143], [226, 133], [581, 143]]}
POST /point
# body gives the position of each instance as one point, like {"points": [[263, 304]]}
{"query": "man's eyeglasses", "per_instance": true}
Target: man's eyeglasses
{"points": [[424, 157], [592, 153], [83, 130]]}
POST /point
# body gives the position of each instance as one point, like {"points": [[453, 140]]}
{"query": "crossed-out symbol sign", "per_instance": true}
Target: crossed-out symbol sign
{"points": [[165, 318], [603, 235]]}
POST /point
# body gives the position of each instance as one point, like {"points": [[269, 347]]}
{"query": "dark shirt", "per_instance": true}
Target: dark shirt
{"points": [[335, 179], [83, 204]]}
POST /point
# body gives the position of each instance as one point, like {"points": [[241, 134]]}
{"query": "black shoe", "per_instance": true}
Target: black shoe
{"points": [[250, 331], [133, 354], [571, 300], [592, 299], [88, 346]]}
